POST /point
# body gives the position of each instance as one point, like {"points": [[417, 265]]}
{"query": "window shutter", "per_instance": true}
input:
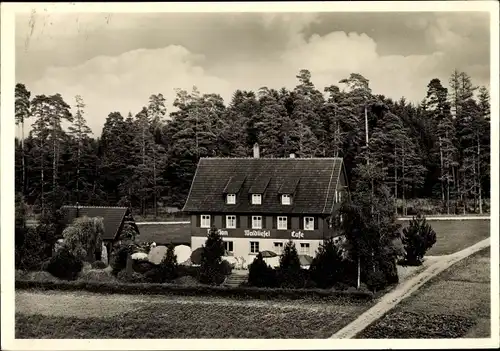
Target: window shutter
{"points": [[198, 221], [275, 222], [316, 224], [249, 218], [238, 224], [289, 222], [224, 221], [301, 222]]}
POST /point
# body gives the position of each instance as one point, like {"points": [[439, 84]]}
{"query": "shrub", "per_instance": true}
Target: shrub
{"points": [[168, 265], [226, 267], [289, 273], [97, 275], [418, 238], [327, 267], [142, 266], [40, 276], [84, 238], [211, 259], [98, 265], [188, 271], [187, 281], [119, 257], [132, 277], [199, 290], [260, 274], [375, 281], [30, 255], [65, 265]]}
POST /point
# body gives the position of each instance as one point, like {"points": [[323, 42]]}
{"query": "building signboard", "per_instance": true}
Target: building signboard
{"points": [[293, 234]]}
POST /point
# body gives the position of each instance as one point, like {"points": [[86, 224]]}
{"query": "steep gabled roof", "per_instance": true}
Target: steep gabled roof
{"points": [[113, 217], [312, 181]]}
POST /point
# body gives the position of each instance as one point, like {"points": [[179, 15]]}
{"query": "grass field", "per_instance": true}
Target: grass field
{"points": [[456, 235], [85, 315], [454, 304]]}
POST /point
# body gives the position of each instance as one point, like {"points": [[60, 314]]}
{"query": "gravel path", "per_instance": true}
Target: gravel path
{"points": [[404, 290]]}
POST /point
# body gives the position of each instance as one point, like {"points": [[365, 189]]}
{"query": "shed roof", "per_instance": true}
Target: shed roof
{"points": [[113, 217]]}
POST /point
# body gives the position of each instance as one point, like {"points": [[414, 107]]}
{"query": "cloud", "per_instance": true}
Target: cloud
{"points": [[239, 52], [124, 83]]}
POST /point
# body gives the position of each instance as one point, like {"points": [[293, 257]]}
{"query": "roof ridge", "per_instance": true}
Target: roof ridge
{"points": [[270, 158], [120, 207]]}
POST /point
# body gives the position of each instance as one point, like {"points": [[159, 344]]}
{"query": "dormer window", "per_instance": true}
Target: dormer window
{"points": [[231, 199], [256, 199], [286, 199]]}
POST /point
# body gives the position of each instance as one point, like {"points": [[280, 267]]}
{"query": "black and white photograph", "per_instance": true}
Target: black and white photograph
{"points": [[237, 171]]}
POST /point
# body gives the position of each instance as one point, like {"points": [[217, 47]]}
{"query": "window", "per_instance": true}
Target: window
{"points": [[308, 223], [228, 246], [231, 222], [282, 223], [285, 199], [336, 196], [205, 221], [278, 248], [304, 248], [231, 199], [340, 196], [254, 247], [256, 222], [256, 199], [340, 218]]}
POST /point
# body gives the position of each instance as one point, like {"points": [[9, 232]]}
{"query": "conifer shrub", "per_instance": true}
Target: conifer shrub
{"points": [[119, 257], [168, 266], [65, 265], [260, 274], [211, 270], [30, 255], [290, 273], [418, 238], [327, 267]]}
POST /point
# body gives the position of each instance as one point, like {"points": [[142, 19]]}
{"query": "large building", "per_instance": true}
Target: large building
{"points": [[260, 203]]}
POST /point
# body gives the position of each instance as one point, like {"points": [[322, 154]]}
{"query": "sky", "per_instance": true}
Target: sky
{"points": [[115, 61]]}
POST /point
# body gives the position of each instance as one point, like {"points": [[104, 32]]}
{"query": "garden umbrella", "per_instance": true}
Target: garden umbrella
{"points": [[196, 255], [156, 254], [272, 261], [267, 253], [183, 252], [305, 260], [139, 256]]}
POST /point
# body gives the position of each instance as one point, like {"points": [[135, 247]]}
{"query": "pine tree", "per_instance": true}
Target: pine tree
{"points": [[81, 134], [439, 109], [22, 111]]}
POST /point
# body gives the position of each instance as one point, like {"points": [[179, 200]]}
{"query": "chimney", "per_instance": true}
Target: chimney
{"points": [[292, 155], [256, 150]]}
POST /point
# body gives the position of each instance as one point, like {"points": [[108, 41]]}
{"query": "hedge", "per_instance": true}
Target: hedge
{"points": [[207, 290]]}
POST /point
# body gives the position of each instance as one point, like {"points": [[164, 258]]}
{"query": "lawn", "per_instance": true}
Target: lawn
{"points": [[85, 315], [454, 304], [456, 235]]}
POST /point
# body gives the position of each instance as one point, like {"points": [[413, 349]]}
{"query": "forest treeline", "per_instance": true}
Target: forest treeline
{"points": [[438, 148]]}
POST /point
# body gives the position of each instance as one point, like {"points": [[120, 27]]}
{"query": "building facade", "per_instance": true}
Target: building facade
{"points": [[259, 204]]}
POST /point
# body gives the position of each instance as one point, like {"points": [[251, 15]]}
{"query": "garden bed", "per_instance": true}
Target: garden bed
{"points": [[200, 290]]}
